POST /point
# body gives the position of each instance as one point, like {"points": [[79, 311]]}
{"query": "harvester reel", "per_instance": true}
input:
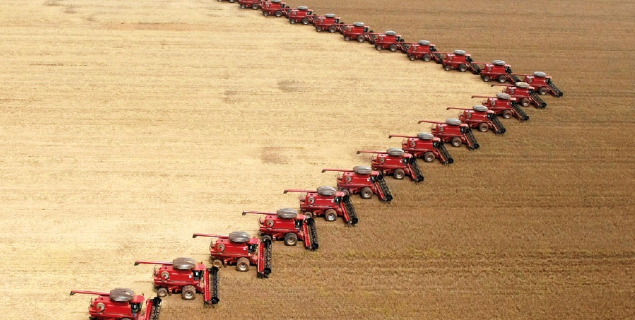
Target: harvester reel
{"points": [[326, 191], [239, 237], [363, 170], [287, 213]]}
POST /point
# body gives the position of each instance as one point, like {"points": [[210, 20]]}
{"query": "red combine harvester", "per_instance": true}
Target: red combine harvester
{"points": [[426, 146], [389, 40], [459, 60], [230, 1], [481, 118], [524, 93], [357, 31], [254, 4], [239, 249], [455, 132], [395, 162], [423, 50], [328, 203], [363, 180], [186, 276], [274, 8], [543, 84], [286, 224], [328, 22], [498, 70], [302, 15], [121, 304], [504, 105]]}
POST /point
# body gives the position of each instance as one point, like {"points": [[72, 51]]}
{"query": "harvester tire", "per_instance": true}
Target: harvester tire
{"points": [[254, 6], [411, 57], [393, 47], [305, 21], [332, 29], [525, 102], [162, 292], [242, 6], [308, 214], [360, 38], [291, 239], [188, 292], [217, 263], [399, 174], [507, 114], [485, 78], [330, 215], [265, 237], [542, 91], [378, 47], [291, 21], [232, 1], [347, 38], [426, 57], [456, 142], [278, 13], [462, 67], [428, 156], [366, 193], [318, 29], [447, 67], [126, 319], [242, 264], [483, 127], [502, 78], [265, 13]]}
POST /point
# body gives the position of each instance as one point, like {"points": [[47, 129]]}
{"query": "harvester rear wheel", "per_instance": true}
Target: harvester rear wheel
{"points": [[456, 142], [330, 215], [507, 114], [162, 292], [542, 91], [188, 293], [447, 67], [399, 174], [291, 239], [428, 156], [483, 127], [360, 38], [366, 193], [242, 265], [462, 67], [502, 78], [426, 57], [525, 102]]}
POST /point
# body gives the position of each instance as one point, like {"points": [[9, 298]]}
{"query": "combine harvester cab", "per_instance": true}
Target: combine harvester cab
{"points": [[481, 118], [524, 94], [505, 106], [357, 31], [328, 22], [395, 162], [254, 4], [286, 224], [364, 181], [274, 8], [543, 84], [500, 71], [185, 276], [240, 250], [425, 146], [391, 41], [327, 202], [302, 15], [454, 131], [121, 303], [460, 60], [423, 50]]}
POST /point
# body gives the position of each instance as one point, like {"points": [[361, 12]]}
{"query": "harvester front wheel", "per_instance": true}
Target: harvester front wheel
{"points": [[426, 57], [217, 263], [188, 293], [483, 127], [265, 13], [330, 215], [462, 67], [278, 13], [266, 238], [332, 29], [542, 91], [502, 78], [507, 114], [366, 193], [308, 214], [485, 78], [399, 174], [162, 292], [360, 38], [428, 156], [411, 57], [378, 47], [456, 142], [525, 102], [393, 47], [242, 6], [318, 29], [347, 38], [291, 239], [232, 1], [254, 6], [242, 265], [291, 21], [447, 67], [305, 21]]}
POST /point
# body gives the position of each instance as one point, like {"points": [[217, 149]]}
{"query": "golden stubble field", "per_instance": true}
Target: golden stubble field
{"points": [[128, 126]]}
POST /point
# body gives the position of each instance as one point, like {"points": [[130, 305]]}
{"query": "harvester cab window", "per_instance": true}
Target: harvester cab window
{"points": [[252, 248], [197, 274], [298, 224], [135, 307], [338, 200], [365, 29]]}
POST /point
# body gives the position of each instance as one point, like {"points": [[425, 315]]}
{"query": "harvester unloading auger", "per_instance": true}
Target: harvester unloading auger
{"points": [[327, 202], [481, 118], [186, 276], [286, 224], [363, 180], [455, 132], [239, 249], [121, 303], [395, 162]]}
